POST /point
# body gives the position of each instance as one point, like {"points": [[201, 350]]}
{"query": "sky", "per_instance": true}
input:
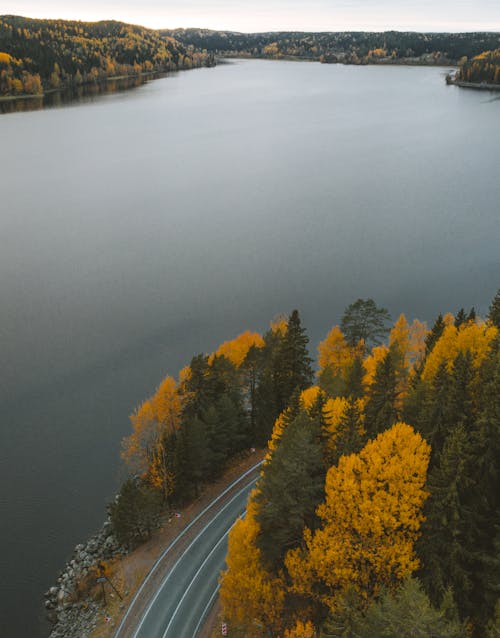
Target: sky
{"points": [[275, 15]]}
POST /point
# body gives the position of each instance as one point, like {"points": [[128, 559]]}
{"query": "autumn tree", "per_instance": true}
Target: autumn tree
{"points": [[252, 598], [335, 358], [370, 520]]}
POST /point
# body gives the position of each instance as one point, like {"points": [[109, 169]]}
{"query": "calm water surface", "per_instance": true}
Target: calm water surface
{"points": [[144, 227]]}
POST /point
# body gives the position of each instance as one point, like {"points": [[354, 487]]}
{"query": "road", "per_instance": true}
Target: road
{"points": [[189, 588]]}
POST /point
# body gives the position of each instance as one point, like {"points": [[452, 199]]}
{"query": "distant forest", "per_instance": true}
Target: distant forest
{"points": [[390, 47], [39, 55], [482, 68]]}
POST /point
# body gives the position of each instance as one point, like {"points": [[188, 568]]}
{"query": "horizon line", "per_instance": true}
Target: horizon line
{"points": [[227, 30]]}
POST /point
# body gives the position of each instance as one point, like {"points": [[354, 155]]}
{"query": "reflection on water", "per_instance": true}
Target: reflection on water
{"points": [[78, 94]]}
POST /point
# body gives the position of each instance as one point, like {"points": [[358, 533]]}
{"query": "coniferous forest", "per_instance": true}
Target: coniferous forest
{"points": [[484, 67], [377, 509], [39, 55]]}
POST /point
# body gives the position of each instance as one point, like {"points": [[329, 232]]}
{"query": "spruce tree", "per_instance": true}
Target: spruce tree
{"points": [[290, 489], [442, 546], [494, 313], [461, 404], [354, 379], [292, 366], [380, 411], [434, 334], [460, 318], [348, 439], [135, 512], [407, 613], [434, 420], [482, 496]]}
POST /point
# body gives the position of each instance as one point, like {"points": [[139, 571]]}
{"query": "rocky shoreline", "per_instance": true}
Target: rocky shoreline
{"points": [[71, 605]]}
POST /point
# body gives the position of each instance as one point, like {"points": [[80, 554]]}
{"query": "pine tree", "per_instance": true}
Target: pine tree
{"points": [[482, 497], [348, 439], [293, 365], [407, 614], [192, 457], [364, 321], [434, 420], [442, 548], [380, 411], [290, 489], [461, 404], [433, 336], [460, 318], [494, 313], [135, 512], [354, 380]]}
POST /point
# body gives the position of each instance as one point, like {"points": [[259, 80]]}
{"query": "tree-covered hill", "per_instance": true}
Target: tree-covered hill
{"points": [[484, 67], [36, 55], [390, 47]]}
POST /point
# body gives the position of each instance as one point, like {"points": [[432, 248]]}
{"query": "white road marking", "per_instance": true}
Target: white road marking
{"points": [[205, 611], [174, 542], [186, 591], [202, 531]]}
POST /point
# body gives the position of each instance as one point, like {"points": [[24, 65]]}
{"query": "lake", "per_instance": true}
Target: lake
{"points": [[142, 227]]}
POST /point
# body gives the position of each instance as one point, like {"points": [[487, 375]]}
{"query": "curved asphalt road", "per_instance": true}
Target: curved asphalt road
{"points": [[190, 587]]}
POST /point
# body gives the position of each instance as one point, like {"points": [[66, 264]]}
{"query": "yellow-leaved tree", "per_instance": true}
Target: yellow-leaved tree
{"points": [[336, 358], [236, 350], [475, 337], [148, 451], [252, 599], [370, 520]]}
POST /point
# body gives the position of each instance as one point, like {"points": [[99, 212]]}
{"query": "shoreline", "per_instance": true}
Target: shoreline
{"points": [[74, 613], [479, 86]]}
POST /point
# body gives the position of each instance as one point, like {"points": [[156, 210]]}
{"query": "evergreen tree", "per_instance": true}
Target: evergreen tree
{"points": [[482, 498], [442, 547], [135, 512], [252, 368], [354, 379], [267, 407], [348, 439], [460, 318], [434, 334], [193, 458], [293, 365], [472, 315], [434, 419], [380, 411], [290, 489], [461, 403], [364, 321], [195, 390], [407, 614], [494, 313]]}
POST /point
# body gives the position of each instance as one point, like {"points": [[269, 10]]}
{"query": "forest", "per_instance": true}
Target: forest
{"points": [[376, 513], [389, 47], [484, 67], [41, 55]]}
